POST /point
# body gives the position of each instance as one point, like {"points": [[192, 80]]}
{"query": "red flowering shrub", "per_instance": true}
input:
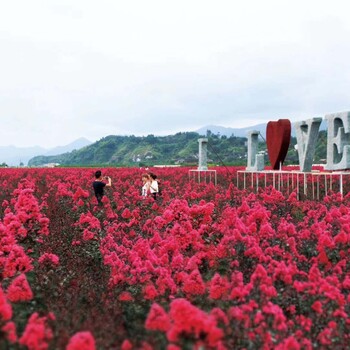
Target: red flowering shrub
{"points": [[205, 266]]}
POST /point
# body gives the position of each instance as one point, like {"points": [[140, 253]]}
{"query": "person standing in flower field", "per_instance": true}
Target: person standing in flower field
{"points": [[99, 185], [154, 188], [146, 182]]}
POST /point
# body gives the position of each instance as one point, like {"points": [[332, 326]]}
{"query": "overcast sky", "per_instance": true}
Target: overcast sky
{"points": [[71, 69]]}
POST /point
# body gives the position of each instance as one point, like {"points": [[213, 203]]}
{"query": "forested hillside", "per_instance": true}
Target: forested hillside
{"points": [[181, 148]]}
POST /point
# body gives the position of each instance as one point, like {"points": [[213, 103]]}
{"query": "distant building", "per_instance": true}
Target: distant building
{"points": [[50, 165]]}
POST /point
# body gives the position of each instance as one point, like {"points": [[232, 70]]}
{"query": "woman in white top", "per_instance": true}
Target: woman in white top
{"points": [[153, 185], [146, 184]]}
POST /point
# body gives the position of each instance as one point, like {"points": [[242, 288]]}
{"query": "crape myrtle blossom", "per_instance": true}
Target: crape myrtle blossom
{"points": [[81, 340], [9, 330], [5, 307], [90, 226], [184, 319], [19, 289], [37, 333], [48, 258]]}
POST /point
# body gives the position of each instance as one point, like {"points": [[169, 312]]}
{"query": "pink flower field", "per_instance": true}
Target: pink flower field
{"points": [[202, 267]]}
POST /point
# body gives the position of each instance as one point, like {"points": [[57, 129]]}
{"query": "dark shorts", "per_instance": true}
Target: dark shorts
{"points": [[99, 198]]}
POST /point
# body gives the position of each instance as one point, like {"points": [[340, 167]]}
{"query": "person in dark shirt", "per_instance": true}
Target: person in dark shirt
{"points": [[99, 185]]}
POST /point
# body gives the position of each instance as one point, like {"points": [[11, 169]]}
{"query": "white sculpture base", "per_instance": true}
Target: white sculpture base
{"points": [[309, 185], [205, 176]]}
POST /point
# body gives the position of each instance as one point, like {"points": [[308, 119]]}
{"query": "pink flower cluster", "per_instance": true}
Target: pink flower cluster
{"points": [[23, 221], [185, 320]]}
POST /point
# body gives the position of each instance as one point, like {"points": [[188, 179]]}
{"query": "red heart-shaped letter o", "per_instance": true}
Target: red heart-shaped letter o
{"points": [[277, 140]]}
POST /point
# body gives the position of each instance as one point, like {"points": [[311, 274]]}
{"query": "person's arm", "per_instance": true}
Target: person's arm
{"points": [[109, 183]]}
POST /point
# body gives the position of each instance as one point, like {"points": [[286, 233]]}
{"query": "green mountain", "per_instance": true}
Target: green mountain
{"points": [[181, 148]]}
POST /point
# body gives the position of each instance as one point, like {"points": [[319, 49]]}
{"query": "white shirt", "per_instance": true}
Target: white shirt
{"points": [[154, 186], [145, 188]]}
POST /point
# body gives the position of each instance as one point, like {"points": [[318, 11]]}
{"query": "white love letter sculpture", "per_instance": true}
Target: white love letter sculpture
{"points": [[307, 133], [255, 160], [338, 141]]}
